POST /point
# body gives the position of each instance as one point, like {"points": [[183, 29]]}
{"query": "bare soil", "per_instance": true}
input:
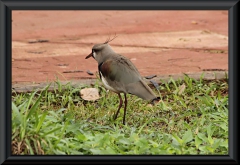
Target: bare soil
{"points": [[50, 44]]}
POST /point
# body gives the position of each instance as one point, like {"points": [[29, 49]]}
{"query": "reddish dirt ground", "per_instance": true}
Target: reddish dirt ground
{"points": [[46, 44]]}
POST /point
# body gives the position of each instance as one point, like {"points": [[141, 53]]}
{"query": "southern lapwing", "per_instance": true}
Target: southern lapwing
{"points": [[119, 75]]}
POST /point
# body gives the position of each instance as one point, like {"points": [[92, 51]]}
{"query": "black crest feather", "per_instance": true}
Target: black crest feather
{"points": [[109, 39]]}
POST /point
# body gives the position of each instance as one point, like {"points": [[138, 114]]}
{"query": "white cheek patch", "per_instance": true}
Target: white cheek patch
{"points": [[94, 54]]}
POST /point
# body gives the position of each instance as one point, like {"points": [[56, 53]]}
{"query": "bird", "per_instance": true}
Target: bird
{"points": [[120, 75]]}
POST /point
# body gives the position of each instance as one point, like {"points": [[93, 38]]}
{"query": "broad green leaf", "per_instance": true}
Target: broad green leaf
{"points": [[198, 141], [187, 137], [16, 111], [171, 150], [81, 137], [134, 137], [210, 140], [203, 137], [176, 140], [225, 143], [203, 149], [209, 130], [96, 151], [59, 152], [216, 143], [216, 101], [74, 152], [110, 151], [224, 126], [142, 143], [154, 144], [209, 148], [202, 121], [124, 141]]}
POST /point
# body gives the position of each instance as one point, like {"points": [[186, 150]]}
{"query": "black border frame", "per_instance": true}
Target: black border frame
{"points": [[6, 6]]}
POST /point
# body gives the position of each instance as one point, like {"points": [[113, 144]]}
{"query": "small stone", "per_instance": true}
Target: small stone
{"points": [[150, 77], [155, 84], [194, 22], [32, 41], [90, 73]]}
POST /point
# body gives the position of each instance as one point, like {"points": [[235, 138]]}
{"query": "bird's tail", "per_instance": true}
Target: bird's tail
{"points": [[142, 90]]}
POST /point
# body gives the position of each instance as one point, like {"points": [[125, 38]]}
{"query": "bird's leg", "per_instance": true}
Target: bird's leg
{"points": [[125, 108], [120, 105]]}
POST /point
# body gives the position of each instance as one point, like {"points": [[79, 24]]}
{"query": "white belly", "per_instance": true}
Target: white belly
{"points": [[106, 84]]}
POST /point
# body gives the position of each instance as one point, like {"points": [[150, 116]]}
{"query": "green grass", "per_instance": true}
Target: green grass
{"points": [[191, 118]]}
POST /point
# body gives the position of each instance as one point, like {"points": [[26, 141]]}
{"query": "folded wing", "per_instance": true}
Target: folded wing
{"points": [[124, 77]]}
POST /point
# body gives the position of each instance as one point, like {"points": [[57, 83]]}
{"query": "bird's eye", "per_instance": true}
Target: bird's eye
{"points": [[95, 50]]}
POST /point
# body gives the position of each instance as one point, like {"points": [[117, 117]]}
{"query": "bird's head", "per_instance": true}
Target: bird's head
{"points": [[101, 52]]}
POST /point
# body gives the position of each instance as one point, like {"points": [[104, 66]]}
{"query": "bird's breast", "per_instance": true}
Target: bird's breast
{"points": [[107, 85]]}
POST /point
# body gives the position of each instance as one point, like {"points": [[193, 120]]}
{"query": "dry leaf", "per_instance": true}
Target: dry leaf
{"points": [[89, 94], [181, 89], [196, 131], [149, 105], [212, 93]]}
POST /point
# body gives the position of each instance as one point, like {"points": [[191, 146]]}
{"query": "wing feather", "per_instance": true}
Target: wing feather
{"points": [[123, 76]]}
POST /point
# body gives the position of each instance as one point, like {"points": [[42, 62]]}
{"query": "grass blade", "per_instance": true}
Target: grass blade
{"points": [[34, 107], [41, 121]]}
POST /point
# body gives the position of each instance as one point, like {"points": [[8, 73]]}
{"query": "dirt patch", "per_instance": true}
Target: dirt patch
{"points": [[46, 44]]}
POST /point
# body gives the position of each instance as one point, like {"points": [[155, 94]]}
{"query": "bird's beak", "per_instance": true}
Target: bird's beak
{"points": [[90, 55]]}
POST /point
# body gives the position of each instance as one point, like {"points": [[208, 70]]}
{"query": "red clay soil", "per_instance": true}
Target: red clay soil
{"points": [[46, 44]]}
